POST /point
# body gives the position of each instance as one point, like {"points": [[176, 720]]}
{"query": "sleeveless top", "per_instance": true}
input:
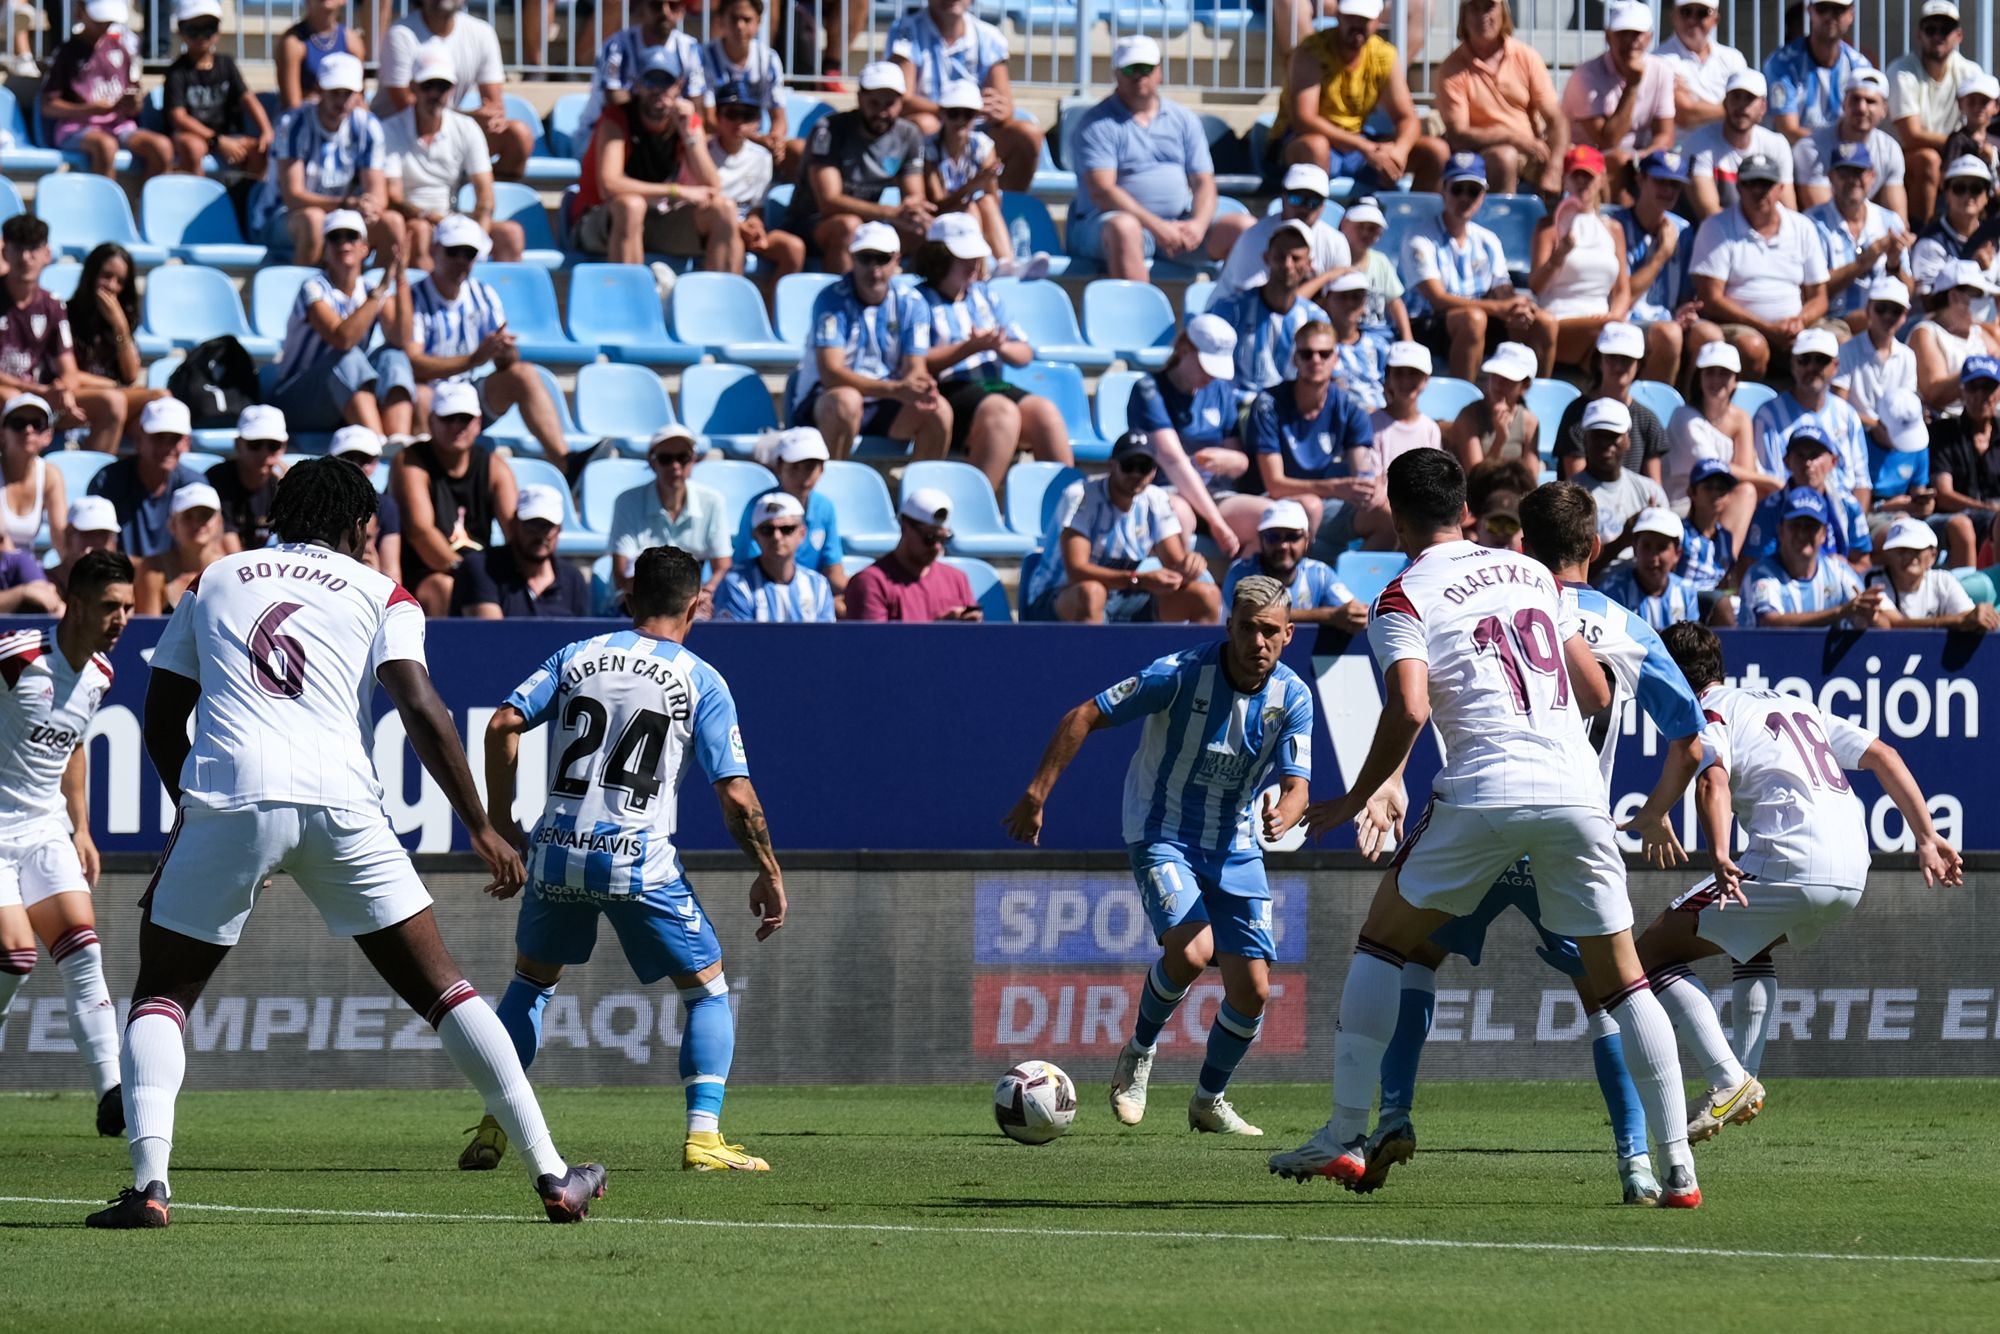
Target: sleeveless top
{"points": [[317, 49], [1347, 93], [1956, 350], [1515, 445], [22, 529], [1691, 438], [463, 505], [1583, 284]]}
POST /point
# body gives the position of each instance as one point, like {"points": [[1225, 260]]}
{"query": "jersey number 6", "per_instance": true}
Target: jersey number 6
{"points": [[277, 661]]}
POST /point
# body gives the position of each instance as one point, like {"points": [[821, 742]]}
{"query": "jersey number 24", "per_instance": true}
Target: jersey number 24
{"points": [[633, 764]]}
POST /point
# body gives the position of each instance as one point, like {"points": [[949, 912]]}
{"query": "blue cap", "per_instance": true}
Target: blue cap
{"points": [[1666, 165], [1802, 502], [1809, 435], [1979, 368], [1465, 167], [1851, 155], [1708, 468], [660, 61], [733, 93]]}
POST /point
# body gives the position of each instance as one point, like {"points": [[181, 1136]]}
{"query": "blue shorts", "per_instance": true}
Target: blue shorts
{"points": [[664, 932], [1230, 894], [314, 397], [1514, 889]]}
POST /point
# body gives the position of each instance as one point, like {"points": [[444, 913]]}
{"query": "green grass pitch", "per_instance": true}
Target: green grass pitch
{"points": [[904, 1208]]}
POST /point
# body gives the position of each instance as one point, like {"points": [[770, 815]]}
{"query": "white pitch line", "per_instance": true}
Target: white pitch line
{"points": [[774, 1225]]}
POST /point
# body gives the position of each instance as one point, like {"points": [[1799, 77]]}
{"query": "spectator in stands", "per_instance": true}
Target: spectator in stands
{"points": [[1384, 318], [1647, 584], [1864, 241], [1978, 97], [474, 49], [1622, 102], [1915, 594], [1399, 426], [738, 58], [1798, 585], [1268, 317], [1303, 200], [1318, 597], [1496, 99], [623, 59], [1965, 468], [1711, 428], [1717, 149], [961, 173], [451, 492], [325, 378], [744, 162], [1147, 180], [432, 152], [1811, 463], [1808, 73], [246, 484], [1759, 269], [103, 313], [1580, 275], [943, 42], [775, 586], [910, 583], [1708, 547], [852, 159], [1187, 410], [523, 577], [674, 511], [328, 158], [305, 46], [1656, 255], [1863, 107], [971, 341], [363, 448], [1337, 79], [1621, 494], [195, 542], [1875, 362], [1620, 347], [864, 370], [1924, 89], [141, 485], [1902, 480], [93, 526], [1499, 425], [1811, 402], [648, 183], [1461, 294], [1955, 234], [1493, 494], [799, 458], [31, 489], [90, 94], [35, 355], [1948, 338], [1312, 444], [25, 587], [1101, 532], [1359, 362], [1702, 66], [208, 103]]}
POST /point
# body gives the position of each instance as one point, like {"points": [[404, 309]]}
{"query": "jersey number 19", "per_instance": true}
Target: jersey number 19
{"points": [[1529, 639]]}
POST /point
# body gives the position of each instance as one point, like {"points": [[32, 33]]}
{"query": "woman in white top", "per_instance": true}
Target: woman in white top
{"points": [[1579, 261], [1948, 336], [196, 529], [34, 490], [1713, 427]]}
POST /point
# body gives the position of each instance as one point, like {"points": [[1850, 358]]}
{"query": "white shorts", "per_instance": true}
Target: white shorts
{"points": [[347, 862], [1455, 853], [1798, 913], [38, 860]]}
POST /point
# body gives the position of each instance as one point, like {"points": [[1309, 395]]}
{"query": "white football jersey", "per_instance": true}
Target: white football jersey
{"points": [[1641, 671], [1787, 764], [285, 642], [44, 714], [1491, 624]]}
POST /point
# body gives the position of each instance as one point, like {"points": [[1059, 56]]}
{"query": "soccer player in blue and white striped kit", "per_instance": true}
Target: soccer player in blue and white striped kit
{"points": [[629, 710], [1219, 718]]}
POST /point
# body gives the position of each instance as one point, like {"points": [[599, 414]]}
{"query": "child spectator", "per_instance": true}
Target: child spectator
{"points": [[208, 102], [1647, 584]]}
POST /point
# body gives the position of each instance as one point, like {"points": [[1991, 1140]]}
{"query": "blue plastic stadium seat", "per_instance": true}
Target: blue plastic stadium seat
{"points": [[1044, 312], [737, 481], [1401, 212], [1663, 399], [1752, 396], [727, 406], [522, 204], [861, 500], [1062, 384], [192, 219], [777, 203], [11, 204], [991, 594], [976, 526], [796, 294], [59, 279], [161, 369], [77, 467], [619, 402], [564, 118], [188, 304], [84, 211], [545, 166], [23, 159], [529, 297], [603, 481], [1235, 172], [1197, 299], [1051, 181], [1512, 218], [511, 431], [273, 291], [197, 461], [1547, 399], [1445, 397], [1135, 320], [1367, 573], [1032, 230], [1029, 482], [616, 307], [576, 539], [724, 313], [1114, 395]]}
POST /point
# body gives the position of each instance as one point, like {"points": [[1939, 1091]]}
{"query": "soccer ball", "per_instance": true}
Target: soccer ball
{"points": [[1034, 1103]]}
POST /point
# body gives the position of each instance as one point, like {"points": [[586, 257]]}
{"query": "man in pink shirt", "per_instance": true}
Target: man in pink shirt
{"points": [[911, 583], [1623, 101]]}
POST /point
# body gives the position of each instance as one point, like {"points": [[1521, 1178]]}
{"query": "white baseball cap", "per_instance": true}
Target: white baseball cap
{"points": [[800, 444], [455, 398], [340, 71], [1354, 280], [1866, 78], [883, 76], [926, 504], [1963, 273], [434, 62], [1361, 9], [25, 400], [1935, 9], [961, 95], [1367, 210], [1816, 341], [1747, 81], [877, 236], [344, 220], [1907, 535], [1657, 521], [775, 505], [196, 496], [189, 10], [1607, 414], [1629, 17], [1971, 167], [1214, 345], [1982, 84], [1308, 176], [1135, 50], [1901, 413], [1619, 339], [166, 416], [1887, 289], [539, 503], [1720, 354], [1512, 361], [960, 234], [261, 421], [671, 431], [1415, 356], [1285, 515], [459, 230], [108, 11], [355, 440], [93, 514]]}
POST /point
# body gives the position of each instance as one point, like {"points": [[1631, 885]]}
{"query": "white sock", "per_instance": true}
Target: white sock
{"points": [[1751, 996], [1368, 1007], [1655, 1064], [93, 1020], [1694, 1019], [478, 1045], [15, 965], [152, 1066], [1601, 1025]]}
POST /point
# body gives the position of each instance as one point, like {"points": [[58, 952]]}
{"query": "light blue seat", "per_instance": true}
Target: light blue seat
{"points": [[976, 526], [11, 204], [545, 166], [576, 539], [603, 481], [724, 314], [861, 500], [24, 159], [187, 304], [200, 462], [1752, 395], [803, 111], [1029, 483], [1050, 181], [796, 294], [564, 118], [1031, 229], [518, 203], [616, 307], [1062, 384], [1135, 320], [1663, 399], [777, 203], [273, 291], [512, 431], [987, 589], [1114, 395], [737, 481], [84, 211], [1445, 397], [529, 297], [77, 467], [1235, 173], [728, 406], [1197, 299], [1401, 213], [59, 279], [161, 369], [1512, 218], [1043, 310], [192, 219], [620, 402], [1367, 573], [1548, 399]]}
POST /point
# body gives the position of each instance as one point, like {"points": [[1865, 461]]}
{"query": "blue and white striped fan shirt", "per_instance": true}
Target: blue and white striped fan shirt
{"points": [[1769, 587], [956, 171], [453, 327], [333, 158], [1264, 338], [763, 73], [1676, 602], [955, 321], [915, 38], [303, 345], [1472, 267], [877, 339], [1119, 539], [748, 594], [1772, 425]]}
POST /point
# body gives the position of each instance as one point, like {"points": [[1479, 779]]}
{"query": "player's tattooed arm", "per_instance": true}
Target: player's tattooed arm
{"points": [[503, 755], [743, 816]]}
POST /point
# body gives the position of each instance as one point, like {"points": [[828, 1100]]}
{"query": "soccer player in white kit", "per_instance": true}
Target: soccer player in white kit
{"points": [[1483, 642], [55, 681], [276, 654], [1778, 765]]}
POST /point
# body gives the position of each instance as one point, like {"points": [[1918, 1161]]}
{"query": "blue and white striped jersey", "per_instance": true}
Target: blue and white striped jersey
{"points": [[1359, 368], [1842, 248], [1119, 539], [763, 74], [1207, 748], [1769, 587], [1264, 338], [1705, 559], [955, 321], [626, 715], [1641, 669], [746, 593], [1800, 86], [915, 37], [454, 327], [1472, 267], [1676, 602], [333, 158], [954, 172], [877, 339], [1771, 428], [1314, 584], [303, 345]]}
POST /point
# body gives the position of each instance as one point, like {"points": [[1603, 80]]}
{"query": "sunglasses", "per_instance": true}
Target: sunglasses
{"points": [[934, 536], [202, 30], [28, 425], [1694, 11], [1136, 466], [343, 238], [1313, 353], [873, 259], [1814, 359], [1829, 11], [1943, 28], [437, 87], [738, 113], [960, 113], [458, 421], [1501, 525], [1136, 71], [1304, 199], [1467, 189], [1280, 535], [259, 446], [1970, 189], [779, 529], [671, 460], [464, 254], [1885, 308]]}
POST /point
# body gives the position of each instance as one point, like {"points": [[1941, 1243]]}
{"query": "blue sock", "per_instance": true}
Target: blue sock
{"points": [[521, 1014], [1157, 1001], [1229, 1038], [1406, 1048], [1621, 1095], [707, 1044]]}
